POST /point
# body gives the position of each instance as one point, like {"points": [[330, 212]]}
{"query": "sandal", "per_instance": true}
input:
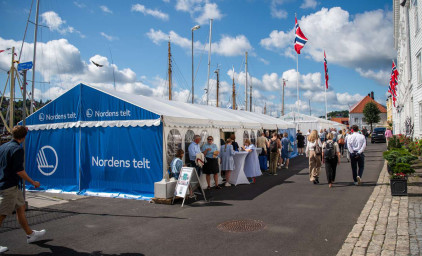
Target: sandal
{"points": [[208, 187], [217, 187]]}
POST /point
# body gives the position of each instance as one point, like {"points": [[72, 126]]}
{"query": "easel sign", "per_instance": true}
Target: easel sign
{"points": [[188, 179]]}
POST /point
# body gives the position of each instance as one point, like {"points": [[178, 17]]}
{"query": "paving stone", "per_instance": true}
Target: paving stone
{"points": [[359, 251], [387, 253]]}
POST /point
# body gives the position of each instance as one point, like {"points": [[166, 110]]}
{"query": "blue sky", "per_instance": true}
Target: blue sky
{"points": [[356, 35]]}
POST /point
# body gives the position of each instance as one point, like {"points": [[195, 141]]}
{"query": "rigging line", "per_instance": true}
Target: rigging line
{"points": [[24, 34], [200, 61], [179, 72]]}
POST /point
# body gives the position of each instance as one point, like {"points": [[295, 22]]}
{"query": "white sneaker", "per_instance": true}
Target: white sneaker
{"points": [[359, 180], [228, 184], [356, 183], [36, 235], [3, 249]]}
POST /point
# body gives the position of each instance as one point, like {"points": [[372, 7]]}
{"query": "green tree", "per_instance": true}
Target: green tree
{"points": [[371, 113]]}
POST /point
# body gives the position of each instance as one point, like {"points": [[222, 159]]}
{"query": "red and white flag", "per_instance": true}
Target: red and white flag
{"points": [[393, 83], [326, 70], [300, 39]]}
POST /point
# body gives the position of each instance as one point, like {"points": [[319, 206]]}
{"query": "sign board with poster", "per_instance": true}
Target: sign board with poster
{"points": [[188, 181]]}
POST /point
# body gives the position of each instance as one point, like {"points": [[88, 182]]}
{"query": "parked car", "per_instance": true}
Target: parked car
{"points": [[378, 135]]}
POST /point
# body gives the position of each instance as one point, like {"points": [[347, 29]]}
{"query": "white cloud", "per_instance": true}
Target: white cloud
{"points": [[275, 11], [79, 5], [210, 11], [56, 23], [266, 62], [380, 76], [226, 46], [155, 13], [105, 9], [309, 4], [60, 63], [201, 10], [345, 38], [108, 37]]}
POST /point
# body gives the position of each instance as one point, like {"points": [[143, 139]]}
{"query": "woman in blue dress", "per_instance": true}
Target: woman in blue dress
{"points": [[252, 168], [285, 142], [227, 162]]}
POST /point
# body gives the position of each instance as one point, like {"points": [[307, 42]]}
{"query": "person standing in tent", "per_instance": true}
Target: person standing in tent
{"points": [[12, 172], [274, 145], [285, 143], [251, 168], [300, 142], [234, 143], [211, 153], [331, 158], [314, 152], [262, 142], [194, 149], [227, 162]]}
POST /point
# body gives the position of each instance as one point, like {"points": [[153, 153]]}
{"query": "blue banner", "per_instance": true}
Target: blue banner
{"points": [[121, 160], [52, 158], [292, 137]]}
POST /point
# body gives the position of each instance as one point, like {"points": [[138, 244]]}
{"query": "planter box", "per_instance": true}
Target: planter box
{"points": [[398, 187]]}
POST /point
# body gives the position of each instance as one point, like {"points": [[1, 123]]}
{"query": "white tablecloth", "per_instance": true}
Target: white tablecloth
{"points": [[238, 174]]}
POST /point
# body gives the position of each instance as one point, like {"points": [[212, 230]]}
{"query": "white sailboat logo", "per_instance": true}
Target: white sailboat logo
{"points": [[47, 165]]}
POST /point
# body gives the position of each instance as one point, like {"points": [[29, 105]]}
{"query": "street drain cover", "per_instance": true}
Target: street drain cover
{"points": [[239, 226]]}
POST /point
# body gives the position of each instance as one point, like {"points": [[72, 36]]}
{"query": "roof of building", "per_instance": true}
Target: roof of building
{"points": [[358, 108], [339, 119]]}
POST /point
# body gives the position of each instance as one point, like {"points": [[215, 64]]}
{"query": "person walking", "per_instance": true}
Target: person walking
{"points": [[321, 135], [262, 143], [274, 145], [300, 142], [211, 153], [356, 144], [227, 162], [388, 134], [314, 151], [345, 145], [340, 141], [331, 158], [12, 171], [193, 150], [285, 142]]}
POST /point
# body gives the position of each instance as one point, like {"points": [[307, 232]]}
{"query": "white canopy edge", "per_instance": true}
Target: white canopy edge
{"points": [[125, 123]]}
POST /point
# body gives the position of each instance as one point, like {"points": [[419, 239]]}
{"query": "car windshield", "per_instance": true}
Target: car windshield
{"points": [[379, 130]]}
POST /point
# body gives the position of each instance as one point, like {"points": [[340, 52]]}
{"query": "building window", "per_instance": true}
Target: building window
{"points": [[204, 136], [420, 116], [416, 15], [418, 68], [245, 136], [356, 120], [363, 120]]}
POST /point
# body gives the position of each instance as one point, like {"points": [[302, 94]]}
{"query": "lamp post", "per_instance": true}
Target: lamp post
{"points": [[193, 92]]}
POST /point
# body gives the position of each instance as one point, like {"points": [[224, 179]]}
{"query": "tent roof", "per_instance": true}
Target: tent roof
{"points": [[180, 114]]}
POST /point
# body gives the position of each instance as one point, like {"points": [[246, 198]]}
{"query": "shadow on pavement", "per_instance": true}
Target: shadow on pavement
{"points": [[64, 251]]}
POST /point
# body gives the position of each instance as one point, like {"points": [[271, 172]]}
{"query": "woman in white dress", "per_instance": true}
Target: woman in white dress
{"points": [[252, 168], [227, 162]]}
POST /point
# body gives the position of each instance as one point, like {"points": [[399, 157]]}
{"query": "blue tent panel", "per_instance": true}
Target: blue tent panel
{"points": [[292, 137], [52, 158], [124, 160]]}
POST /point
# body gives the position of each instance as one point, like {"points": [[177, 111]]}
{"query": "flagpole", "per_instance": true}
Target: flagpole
{"points": [[297, 82], [325, 99]]}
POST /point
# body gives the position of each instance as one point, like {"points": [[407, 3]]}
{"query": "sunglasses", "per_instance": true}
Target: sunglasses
{"points": [[210, 139]]}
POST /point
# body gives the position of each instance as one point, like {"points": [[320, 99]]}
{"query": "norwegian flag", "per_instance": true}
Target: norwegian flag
{"points": [[393, 83], [300, 39], [326, 70]]}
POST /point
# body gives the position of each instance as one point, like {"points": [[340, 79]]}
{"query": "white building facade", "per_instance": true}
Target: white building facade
{"points": [[407, 115]]}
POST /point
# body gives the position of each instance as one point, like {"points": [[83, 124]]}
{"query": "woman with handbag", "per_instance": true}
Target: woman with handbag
{"points": [[314, 152]]}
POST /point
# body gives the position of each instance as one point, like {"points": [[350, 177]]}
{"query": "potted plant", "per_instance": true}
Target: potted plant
{"points": [[398, 165]]}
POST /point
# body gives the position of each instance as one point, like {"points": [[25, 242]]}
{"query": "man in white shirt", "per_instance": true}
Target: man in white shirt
{"points": [[356, 144]]}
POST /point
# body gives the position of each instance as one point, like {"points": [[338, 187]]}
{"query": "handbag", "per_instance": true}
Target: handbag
{"points": [[318, 150]]}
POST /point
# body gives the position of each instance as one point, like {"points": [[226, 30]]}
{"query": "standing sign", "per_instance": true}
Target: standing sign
{"points": [[188, 179]]}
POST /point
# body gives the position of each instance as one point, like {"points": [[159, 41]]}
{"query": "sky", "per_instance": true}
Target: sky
{"points": [[130, 39]]}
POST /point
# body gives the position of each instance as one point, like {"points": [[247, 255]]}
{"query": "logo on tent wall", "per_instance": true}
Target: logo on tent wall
{"points": [[89, 112], [41, 117], [47, 160]]}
